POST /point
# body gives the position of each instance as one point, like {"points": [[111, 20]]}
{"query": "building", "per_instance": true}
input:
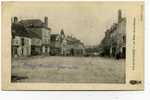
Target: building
{"points": [[33, 37], [71, 46], [36, 43], [66, 45], [55, 45], [30, 37], [114, 42], [21, 40], [92, 50], [42, 31]]}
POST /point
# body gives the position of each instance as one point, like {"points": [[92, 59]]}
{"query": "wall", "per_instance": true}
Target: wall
{"points": [[45, 41], [21, 50], [36, 42], [45, 36]]}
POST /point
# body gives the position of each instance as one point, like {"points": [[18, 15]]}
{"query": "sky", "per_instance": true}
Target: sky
{"points": [[83, 20]]}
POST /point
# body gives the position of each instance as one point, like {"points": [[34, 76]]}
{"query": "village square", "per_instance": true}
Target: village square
{"points": [[39, 55]]}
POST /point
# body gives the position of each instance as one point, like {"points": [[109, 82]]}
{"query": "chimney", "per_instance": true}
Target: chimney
{"points": [[15, 19], [46, 21], [119, 15]]}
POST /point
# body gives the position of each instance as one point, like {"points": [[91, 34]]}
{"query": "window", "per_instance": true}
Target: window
{"points": [[16, 42], [124, 39], [22, 41]]}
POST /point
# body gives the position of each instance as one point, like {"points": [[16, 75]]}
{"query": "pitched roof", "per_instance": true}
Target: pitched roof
{"points": [[19, 30], [32, 23], [54, 36]]}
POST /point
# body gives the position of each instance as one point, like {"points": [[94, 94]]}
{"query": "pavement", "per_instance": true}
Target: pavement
{"points": [[58, 69]]}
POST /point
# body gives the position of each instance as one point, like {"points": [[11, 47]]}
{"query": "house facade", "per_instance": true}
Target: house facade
{"points": [[114, 42], [72, 47], [45, 40], [42, 31], [21, 41], [55, 45], [36, 46], [66, 45]]}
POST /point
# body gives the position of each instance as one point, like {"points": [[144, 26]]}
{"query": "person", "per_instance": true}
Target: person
{"points": [[118, 55]]}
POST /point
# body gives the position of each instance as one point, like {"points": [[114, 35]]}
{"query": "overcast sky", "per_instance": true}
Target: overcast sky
{"points": [[85, 21]]}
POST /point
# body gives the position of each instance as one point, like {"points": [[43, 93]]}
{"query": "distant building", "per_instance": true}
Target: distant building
{"points": [[92, 50], [42, 31], [55, 45], [114, 42], [66, 45], [72, 47]]}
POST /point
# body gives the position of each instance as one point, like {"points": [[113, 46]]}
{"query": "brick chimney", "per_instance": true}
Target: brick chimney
{"points": [[46, 21], [119, 15], [14, 19]]}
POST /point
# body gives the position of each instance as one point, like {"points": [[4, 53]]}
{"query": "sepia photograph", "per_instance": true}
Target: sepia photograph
{"points": [[74, 42]]}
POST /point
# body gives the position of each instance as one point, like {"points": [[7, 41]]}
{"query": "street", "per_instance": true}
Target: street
{"points": [[57, 69]]}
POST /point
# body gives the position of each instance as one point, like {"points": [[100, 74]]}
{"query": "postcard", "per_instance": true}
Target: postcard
{"points": [[73, 45]]}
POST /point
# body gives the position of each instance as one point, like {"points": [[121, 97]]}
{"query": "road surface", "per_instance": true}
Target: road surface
{"points": [[55, 69]]}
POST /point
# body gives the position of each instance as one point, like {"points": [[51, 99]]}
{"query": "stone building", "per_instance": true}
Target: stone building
{"points": [[20, 41], [41, 30], [71, 46], [30, 37], [114, 42], [55, 45], [36, 43], [66, 45]]}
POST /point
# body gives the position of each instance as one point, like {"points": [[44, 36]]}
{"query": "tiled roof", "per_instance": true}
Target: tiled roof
{"points": [[19, 30], [32, 23], [54, 36]]}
